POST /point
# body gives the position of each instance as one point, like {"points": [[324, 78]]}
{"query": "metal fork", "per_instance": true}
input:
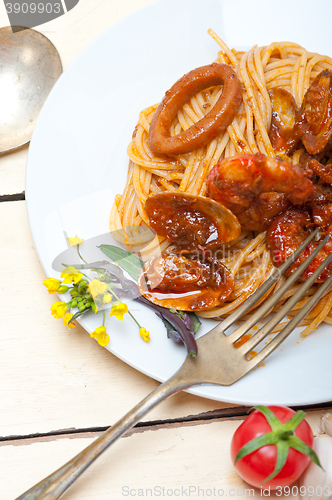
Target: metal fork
{"points": [[219, 362]]}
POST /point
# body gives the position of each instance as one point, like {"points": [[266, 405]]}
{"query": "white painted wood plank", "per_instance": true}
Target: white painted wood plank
{"points": [[69, 33], [176, 459], [51, 377]]}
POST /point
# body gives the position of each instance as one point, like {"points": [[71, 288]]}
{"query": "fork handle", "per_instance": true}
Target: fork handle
{"points": [[53, 486]]}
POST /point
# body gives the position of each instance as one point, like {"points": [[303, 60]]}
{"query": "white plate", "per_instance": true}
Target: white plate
{"points": [[77, 163]]}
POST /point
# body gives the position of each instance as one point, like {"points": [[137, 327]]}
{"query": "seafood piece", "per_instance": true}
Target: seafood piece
{"points": [[185, 282], [323, 171], [192, 222], [321, 205], [257, 188], [206, 129], [306, 162], [322, 195], [284, 112], [314, 121], [322, 215], [286, 234]]}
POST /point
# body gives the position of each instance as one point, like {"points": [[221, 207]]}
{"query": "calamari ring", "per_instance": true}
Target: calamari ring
{"points": [[206, 129]]}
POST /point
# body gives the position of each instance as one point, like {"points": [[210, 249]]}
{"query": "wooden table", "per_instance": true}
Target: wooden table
{"points": [[59, 389]]}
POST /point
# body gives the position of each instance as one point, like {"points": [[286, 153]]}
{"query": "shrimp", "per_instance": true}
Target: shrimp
{"points": [[286, 234], [321, 205], [257, 188]]}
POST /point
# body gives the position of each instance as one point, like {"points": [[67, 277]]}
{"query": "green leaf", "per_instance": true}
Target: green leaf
{"points": [[274, 421], [128, 261], [282, 454], [255, 444], [296, 419], [79, 313], [299, 445]]}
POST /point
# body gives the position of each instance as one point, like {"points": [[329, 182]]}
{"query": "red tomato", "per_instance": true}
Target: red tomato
{"points": [[258, 465]]}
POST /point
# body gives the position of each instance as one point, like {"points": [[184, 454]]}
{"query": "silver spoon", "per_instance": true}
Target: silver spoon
{"points": [[29, 67]]}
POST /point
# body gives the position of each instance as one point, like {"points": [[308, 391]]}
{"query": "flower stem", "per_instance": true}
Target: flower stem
{"points": [[133, 317], [130, 314], [114, 295], [79, 254]]}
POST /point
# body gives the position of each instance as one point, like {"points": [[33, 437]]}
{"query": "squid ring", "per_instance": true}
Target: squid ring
{"points": [[206, 129]]}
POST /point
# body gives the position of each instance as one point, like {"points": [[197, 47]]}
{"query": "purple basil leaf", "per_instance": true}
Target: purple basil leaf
{"points": [[190, 320], [186, 335], [172, 333]]}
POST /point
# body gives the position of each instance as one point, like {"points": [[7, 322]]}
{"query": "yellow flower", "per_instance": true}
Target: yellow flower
{"points": [[70, 274], [119, 310], [107, 298], [74, 241], [100, 334], [66, 320], [144, 334], [52, 285], [59, 309], [97, 288]]}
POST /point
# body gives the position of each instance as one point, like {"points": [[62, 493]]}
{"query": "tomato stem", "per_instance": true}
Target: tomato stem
{"points": [[281, 435], [284, 435]]}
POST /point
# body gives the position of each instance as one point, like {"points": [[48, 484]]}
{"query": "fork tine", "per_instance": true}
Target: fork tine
{"points": [[243, 308], [277, 317], [278, 294], [291, 325]]}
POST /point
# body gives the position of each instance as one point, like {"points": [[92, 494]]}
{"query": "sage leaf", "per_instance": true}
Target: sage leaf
{"points": [[128, 261]]}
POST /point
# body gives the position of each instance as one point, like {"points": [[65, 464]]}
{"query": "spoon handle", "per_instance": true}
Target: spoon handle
{"points": [[53, 486]]}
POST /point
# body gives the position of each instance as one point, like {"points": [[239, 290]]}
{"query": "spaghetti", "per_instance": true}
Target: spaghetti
{"points": [[283, 65]]}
